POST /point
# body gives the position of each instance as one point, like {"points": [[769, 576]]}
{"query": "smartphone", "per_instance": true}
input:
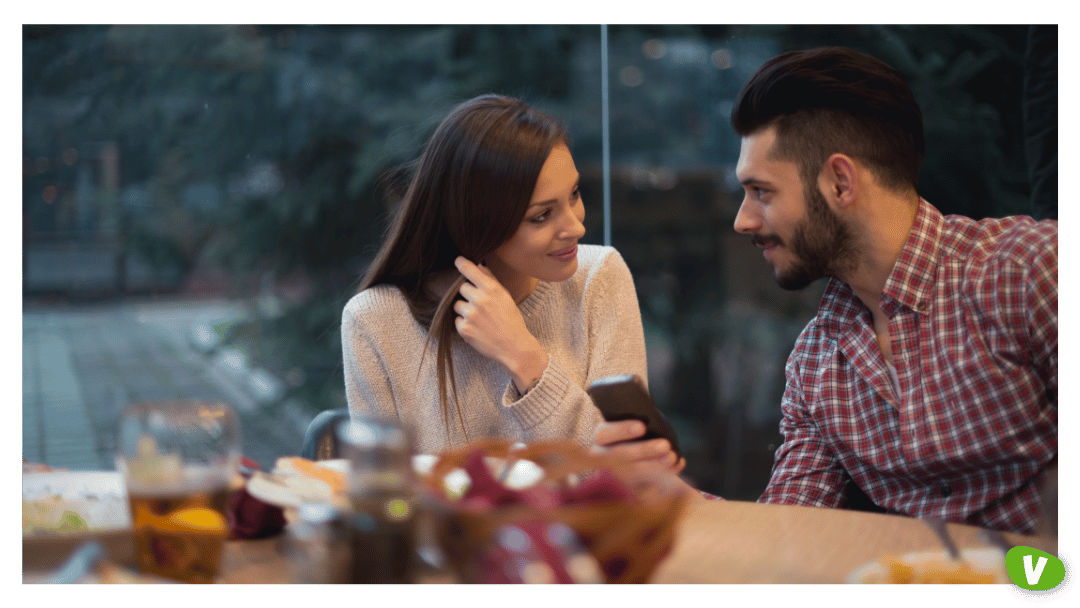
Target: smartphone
{"points": [[626, 398]]}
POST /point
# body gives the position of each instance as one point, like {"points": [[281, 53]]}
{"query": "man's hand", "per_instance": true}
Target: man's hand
{"points": [[619, 440]]}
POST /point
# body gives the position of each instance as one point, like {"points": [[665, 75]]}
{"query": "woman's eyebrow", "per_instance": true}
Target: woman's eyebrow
{"points": [[552, 201]]}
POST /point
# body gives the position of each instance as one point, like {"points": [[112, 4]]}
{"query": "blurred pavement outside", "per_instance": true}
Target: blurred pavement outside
{"points": [[82, 364]]}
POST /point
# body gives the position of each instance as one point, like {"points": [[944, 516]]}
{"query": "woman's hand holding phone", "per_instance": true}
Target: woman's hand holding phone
{"points": [[620, 439], [490, 321]]}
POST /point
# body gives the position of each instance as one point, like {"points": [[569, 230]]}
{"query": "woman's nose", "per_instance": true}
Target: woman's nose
{"points": [[574, 228]]}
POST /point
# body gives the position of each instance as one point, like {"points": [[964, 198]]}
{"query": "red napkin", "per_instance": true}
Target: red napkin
{"points": [[250, 517], [498, 565]]}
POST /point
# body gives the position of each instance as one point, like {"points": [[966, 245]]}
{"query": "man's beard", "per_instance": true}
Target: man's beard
{"points": [[823, 246]]}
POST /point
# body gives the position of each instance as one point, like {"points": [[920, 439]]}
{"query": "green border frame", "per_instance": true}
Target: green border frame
{"points": [[552, 11]]}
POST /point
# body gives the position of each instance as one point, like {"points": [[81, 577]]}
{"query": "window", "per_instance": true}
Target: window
{"points": [[200, 201]]}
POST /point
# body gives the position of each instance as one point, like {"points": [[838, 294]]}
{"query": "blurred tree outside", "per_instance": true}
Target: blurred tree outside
{"points": [[259, 163]]}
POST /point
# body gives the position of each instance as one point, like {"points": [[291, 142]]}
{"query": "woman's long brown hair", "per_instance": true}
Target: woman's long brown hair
{"points": [[468, 195]]}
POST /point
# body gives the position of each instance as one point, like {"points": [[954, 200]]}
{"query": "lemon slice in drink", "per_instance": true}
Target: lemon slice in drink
{"points": [[198, 519]]}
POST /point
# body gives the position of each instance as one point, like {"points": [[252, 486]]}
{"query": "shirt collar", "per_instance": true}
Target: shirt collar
{"points": [[911, 282]]}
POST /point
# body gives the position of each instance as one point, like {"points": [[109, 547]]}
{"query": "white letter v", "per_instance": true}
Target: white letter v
{"points": [[1033, 574]]}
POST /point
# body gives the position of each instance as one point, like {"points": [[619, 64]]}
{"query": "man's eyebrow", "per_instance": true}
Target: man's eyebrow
{"points": [[754, 181]]}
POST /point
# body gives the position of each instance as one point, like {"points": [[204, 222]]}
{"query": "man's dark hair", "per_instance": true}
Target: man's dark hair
{"points": [[835, 100]]}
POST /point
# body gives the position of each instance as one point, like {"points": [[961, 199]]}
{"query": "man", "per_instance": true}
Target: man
{"points": [[927, 382]]}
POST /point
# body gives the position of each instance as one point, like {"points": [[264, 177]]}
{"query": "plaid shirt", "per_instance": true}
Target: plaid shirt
{"points": [[972, 308]]}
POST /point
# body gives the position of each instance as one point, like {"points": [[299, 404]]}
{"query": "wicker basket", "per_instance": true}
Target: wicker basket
{"points": [[628, 538]]}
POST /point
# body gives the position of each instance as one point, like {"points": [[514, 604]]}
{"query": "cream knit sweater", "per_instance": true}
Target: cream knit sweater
{"points": [[589, 325]]}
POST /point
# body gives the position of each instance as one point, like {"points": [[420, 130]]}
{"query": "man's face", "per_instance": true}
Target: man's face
{"points": [[801, 235]]}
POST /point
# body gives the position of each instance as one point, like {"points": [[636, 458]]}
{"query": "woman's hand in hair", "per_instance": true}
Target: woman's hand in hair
{"points": [[489, 320]]}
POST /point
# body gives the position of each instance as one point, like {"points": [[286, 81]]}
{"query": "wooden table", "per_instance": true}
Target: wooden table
{"points": [[727, 542], [745, 542]]}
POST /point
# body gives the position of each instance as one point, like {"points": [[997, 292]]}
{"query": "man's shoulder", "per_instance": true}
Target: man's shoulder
{"points": [[995, 241], [818, 334]]}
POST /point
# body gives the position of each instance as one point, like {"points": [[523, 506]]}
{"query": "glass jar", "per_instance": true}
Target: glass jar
{"points": [[317, 550], [381, 525]]}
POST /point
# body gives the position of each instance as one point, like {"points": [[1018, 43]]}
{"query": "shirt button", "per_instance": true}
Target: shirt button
{"points": [[921, 306], [946, 490]]}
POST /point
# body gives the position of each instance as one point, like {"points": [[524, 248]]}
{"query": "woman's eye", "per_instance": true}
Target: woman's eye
{"points": [[540, 218]]}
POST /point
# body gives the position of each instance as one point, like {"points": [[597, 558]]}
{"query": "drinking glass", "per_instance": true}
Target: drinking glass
{"points": [[179, 462]]}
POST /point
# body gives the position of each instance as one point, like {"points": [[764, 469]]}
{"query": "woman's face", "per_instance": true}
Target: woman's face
{"points": [[545, 244]]}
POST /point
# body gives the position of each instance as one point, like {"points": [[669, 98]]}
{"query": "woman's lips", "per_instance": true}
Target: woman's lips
{"points": [[565, 255]]}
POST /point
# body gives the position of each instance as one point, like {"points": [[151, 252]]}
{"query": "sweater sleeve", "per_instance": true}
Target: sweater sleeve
{"points": [[367, 384], [558, 406]]}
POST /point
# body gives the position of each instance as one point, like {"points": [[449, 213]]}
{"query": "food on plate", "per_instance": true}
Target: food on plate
{"points": [[976, 566], [899, 571], [53, 515], [59, 503], [295, 480], [303, 471]]}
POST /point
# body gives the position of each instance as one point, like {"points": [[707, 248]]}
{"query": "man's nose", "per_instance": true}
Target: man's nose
{"points": [[747, 220]]}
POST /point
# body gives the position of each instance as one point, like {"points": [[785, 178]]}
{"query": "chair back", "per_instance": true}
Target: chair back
{"points": [[320, 440]]}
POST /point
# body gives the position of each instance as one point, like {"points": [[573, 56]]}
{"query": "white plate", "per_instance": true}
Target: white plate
{"points": [[980, 560], [99, 497]]}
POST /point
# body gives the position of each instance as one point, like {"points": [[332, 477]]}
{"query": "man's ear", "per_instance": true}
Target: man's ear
{"points": [[841, 180]]}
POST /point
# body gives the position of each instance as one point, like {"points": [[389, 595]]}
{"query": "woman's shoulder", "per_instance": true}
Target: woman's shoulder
{"points": [[376, 298], [597, 258], [375, 306], [601, 270], [600, 263]]}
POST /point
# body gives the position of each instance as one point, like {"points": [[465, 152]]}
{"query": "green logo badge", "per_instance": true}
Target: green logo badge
{"points": [[1034, 570]]}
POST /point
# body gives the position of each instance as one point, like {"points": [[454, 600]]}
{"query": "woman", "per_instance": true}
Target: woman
{"points": [[482, 316]]}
